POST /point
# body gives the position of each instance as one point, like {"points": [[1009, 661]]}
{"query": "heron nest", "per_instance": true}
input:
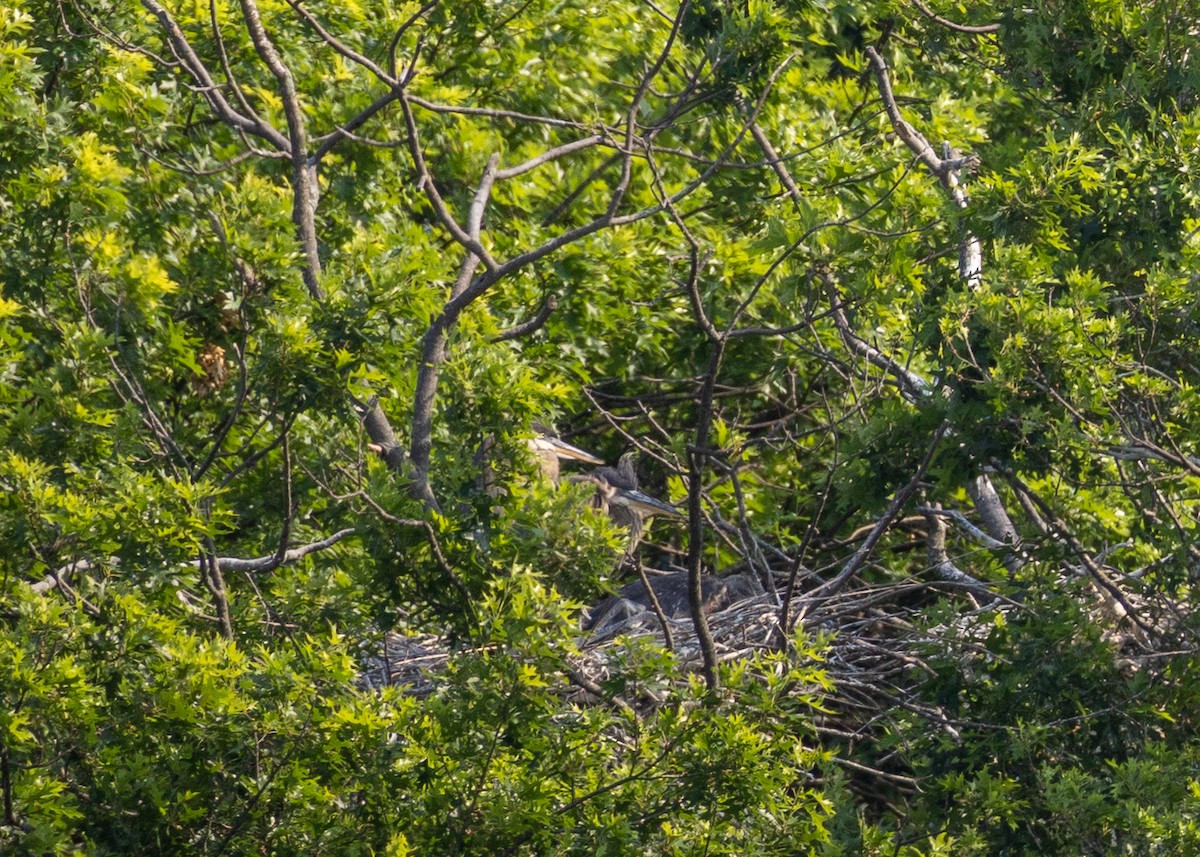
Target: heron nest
{"points": [[874, 653], [879, 642]]}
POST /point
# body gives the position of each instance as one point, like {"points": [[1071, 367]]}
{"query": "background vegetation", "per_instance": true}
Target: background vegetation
{"points": [[898, 303]]}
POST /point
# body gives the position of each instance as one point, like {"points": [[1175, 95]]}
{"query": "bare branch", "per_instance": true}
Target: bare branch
{"points": [[695, 556], [208, 88], [341, 48], [399, 34], [941, 565], [946, 168], [777, 164], [304, 178], [1116, 600], [976, 534], [961, 28], [910, 136], [210, 573], [995, 517], [1143, 449], [494, 113], [532, 325], [223, 57], [655, 605], [346, 131]]}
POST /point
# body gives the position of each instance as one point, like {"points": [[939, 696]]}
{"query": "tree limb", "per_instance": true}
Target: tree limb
{"points": [[304, 178], [549, 305], [262, 564], [912, 385], [961, 28], [208, 88]]}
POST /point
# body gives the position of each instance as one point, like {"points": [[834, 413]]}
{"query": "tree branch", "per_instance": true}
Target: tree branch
{"points": [[704, 416], [1111, 594], [912, 385], [834, 585], [262, 564], [961, 28], [549, 305], [305, 192], [425, 182], [945, 168], [940, 563], [208, 88], [379, 429], [433, 352]]}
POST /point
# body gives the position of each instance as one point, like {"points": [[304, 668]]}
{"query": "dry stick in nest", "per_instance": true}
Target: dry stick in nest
{"points": [[668, 640]]}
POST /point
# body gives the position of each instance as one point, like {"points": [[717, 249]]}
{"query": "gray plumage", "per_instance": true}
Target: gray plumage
{"points": [[617, 495], [671, 589]]}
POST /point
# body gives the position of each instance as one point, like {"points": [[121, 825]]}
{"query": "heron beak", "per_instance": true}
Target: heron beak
{"points": [[645, 504], [563, 450]]}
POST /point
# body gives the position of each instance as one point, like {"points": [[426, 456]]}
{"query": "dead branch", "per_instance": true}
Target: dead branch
{"points": [[379, 429]]}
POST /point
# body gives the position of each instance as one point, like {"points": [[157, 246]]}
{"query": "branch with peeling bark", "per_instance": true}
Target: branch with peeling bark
{"points": [[947, 167]]}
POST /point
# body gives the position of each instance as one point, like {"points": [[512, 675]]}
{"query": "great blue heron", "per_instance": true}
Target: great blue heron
{"points": [[548, 451], [617, 495], [671, 590]]}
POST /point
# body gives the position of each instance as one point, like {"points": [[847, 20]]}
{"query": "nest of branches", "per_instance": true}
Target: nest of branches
{"points": [[880, 651], [873, 655]]}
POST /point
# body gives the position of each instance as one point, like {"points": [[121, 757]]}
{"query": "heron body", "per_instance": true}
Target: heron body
{"points": [[671, 590], [617, 495]]}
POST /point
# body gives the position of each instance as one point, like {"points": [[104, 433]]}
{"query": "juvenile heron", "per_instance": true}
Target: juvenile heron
{"points": [[617, 495], [671, 590], [548, 451]]}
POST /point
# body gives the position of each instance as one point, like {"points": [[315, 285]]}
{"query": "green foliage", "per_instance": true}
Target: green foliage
{"points": [[171, 392]]}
